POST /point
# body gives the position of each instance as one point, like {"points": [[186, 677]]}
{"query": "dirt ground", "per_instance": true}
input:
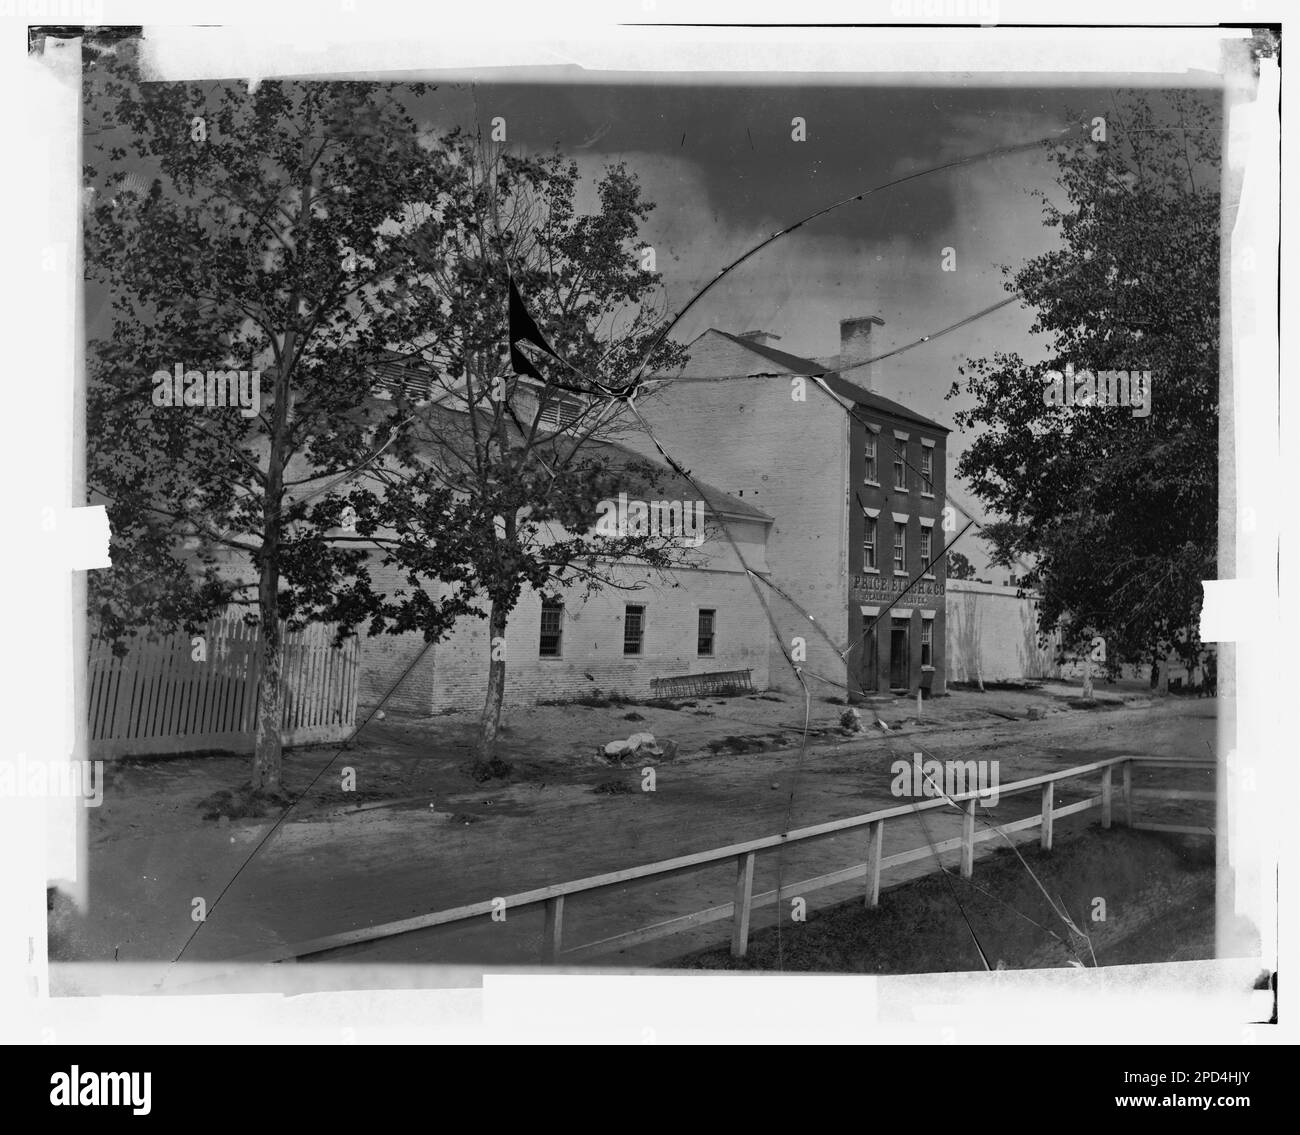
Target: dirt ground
{"points": [[419, 834]]}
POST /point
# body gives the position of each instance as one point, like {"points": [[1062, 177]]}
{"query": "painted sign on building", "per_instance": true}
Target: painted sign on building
{"points": [[871, 588]]}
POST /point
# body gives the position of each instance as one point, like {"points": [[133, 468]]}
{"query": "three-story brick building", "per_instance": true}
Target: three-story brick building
{"points": [[854, 483]]}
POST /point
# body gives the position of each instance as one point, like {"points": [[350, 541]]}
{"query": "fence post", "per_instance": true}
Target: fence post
{"points": [[875, 851], [1049, 795], [743, 902], [1106, 795], [1128, 794], [968, 837], [553, 929]]}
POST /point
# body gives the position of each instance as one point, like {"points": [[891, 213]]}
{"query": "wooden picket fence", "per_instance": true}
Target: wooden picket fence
{"points": [[158, 698]]}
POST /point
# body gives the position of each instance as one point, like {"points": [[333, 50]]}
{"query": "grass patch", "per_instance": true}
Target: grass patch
{"points": [[332, 795], [145, 762], [1160, 905], [243, 803], [614, 788], [1093, 703], [596, 699], [735, 744], [1014, 687], [482, 771]]}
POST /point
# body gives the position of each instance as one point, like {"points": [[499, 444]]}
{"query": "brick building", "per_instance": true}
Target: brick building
{"points": [[854, 483], [832, 504], [697, 617], [646, 624], [617, 639]]}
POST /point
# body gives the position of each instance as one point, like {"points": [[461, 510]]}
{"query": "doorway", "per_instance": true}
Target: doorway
{"points": [[868, 668], [899, 665]]}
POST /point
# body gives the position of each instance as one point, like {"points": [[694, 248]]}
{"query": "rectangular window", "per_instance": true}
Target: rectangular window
{"points": [[925, 550], [704, 640], [900, 547], [552, 628], [633, 628], [870, 474], [869, 544], [927, 471], [927, 642], [900, 470]]}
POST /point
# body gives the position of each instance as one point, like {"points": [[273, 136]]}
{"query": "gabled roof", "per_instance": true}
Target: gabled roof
{"points": [[672, 484], [845, 389], [668, 483], [784, 359]]}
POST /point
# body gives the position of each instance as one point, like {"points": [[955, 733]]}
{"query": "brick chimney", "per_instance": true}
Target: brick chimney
{"points": [[856, 344], [762, 338]]}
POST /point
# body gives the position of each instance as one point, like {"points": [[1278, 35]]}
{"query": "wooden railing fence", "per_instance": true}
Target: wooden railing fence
{"points": [[868, 872]]}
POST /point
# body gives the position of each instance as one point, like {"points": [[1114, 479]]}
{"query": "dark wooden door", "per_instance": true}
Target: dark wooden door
{"points": [[898, 666]]}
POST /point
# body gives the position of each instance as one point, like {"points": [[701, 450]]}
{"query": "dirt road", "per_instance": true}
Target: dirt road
{"points": [[344, 863]]}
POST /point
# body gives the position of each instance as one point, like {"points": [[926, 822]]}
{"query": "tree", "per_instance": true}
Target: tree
{"points": [[248, 232], [1116, 510], [959, 567], [312, 236], [527, 494]]}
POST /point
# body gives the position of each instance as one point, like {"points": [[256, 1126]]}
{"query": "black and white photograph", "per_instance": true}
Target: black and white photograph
{"points": [[712, 505]]}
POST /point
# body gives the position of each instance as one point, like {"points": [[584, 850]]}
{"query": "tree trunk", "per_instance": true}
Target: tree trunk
{"points": [[490, 720], [268, 745], [1162, 687], [1087, 674]]}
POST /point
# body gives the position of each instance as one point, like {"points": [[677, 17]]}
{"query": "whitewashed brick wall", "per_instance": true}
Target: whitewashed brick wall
{"points": [[747, 437], [383, 658], [593, 644], [991, 632]]}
